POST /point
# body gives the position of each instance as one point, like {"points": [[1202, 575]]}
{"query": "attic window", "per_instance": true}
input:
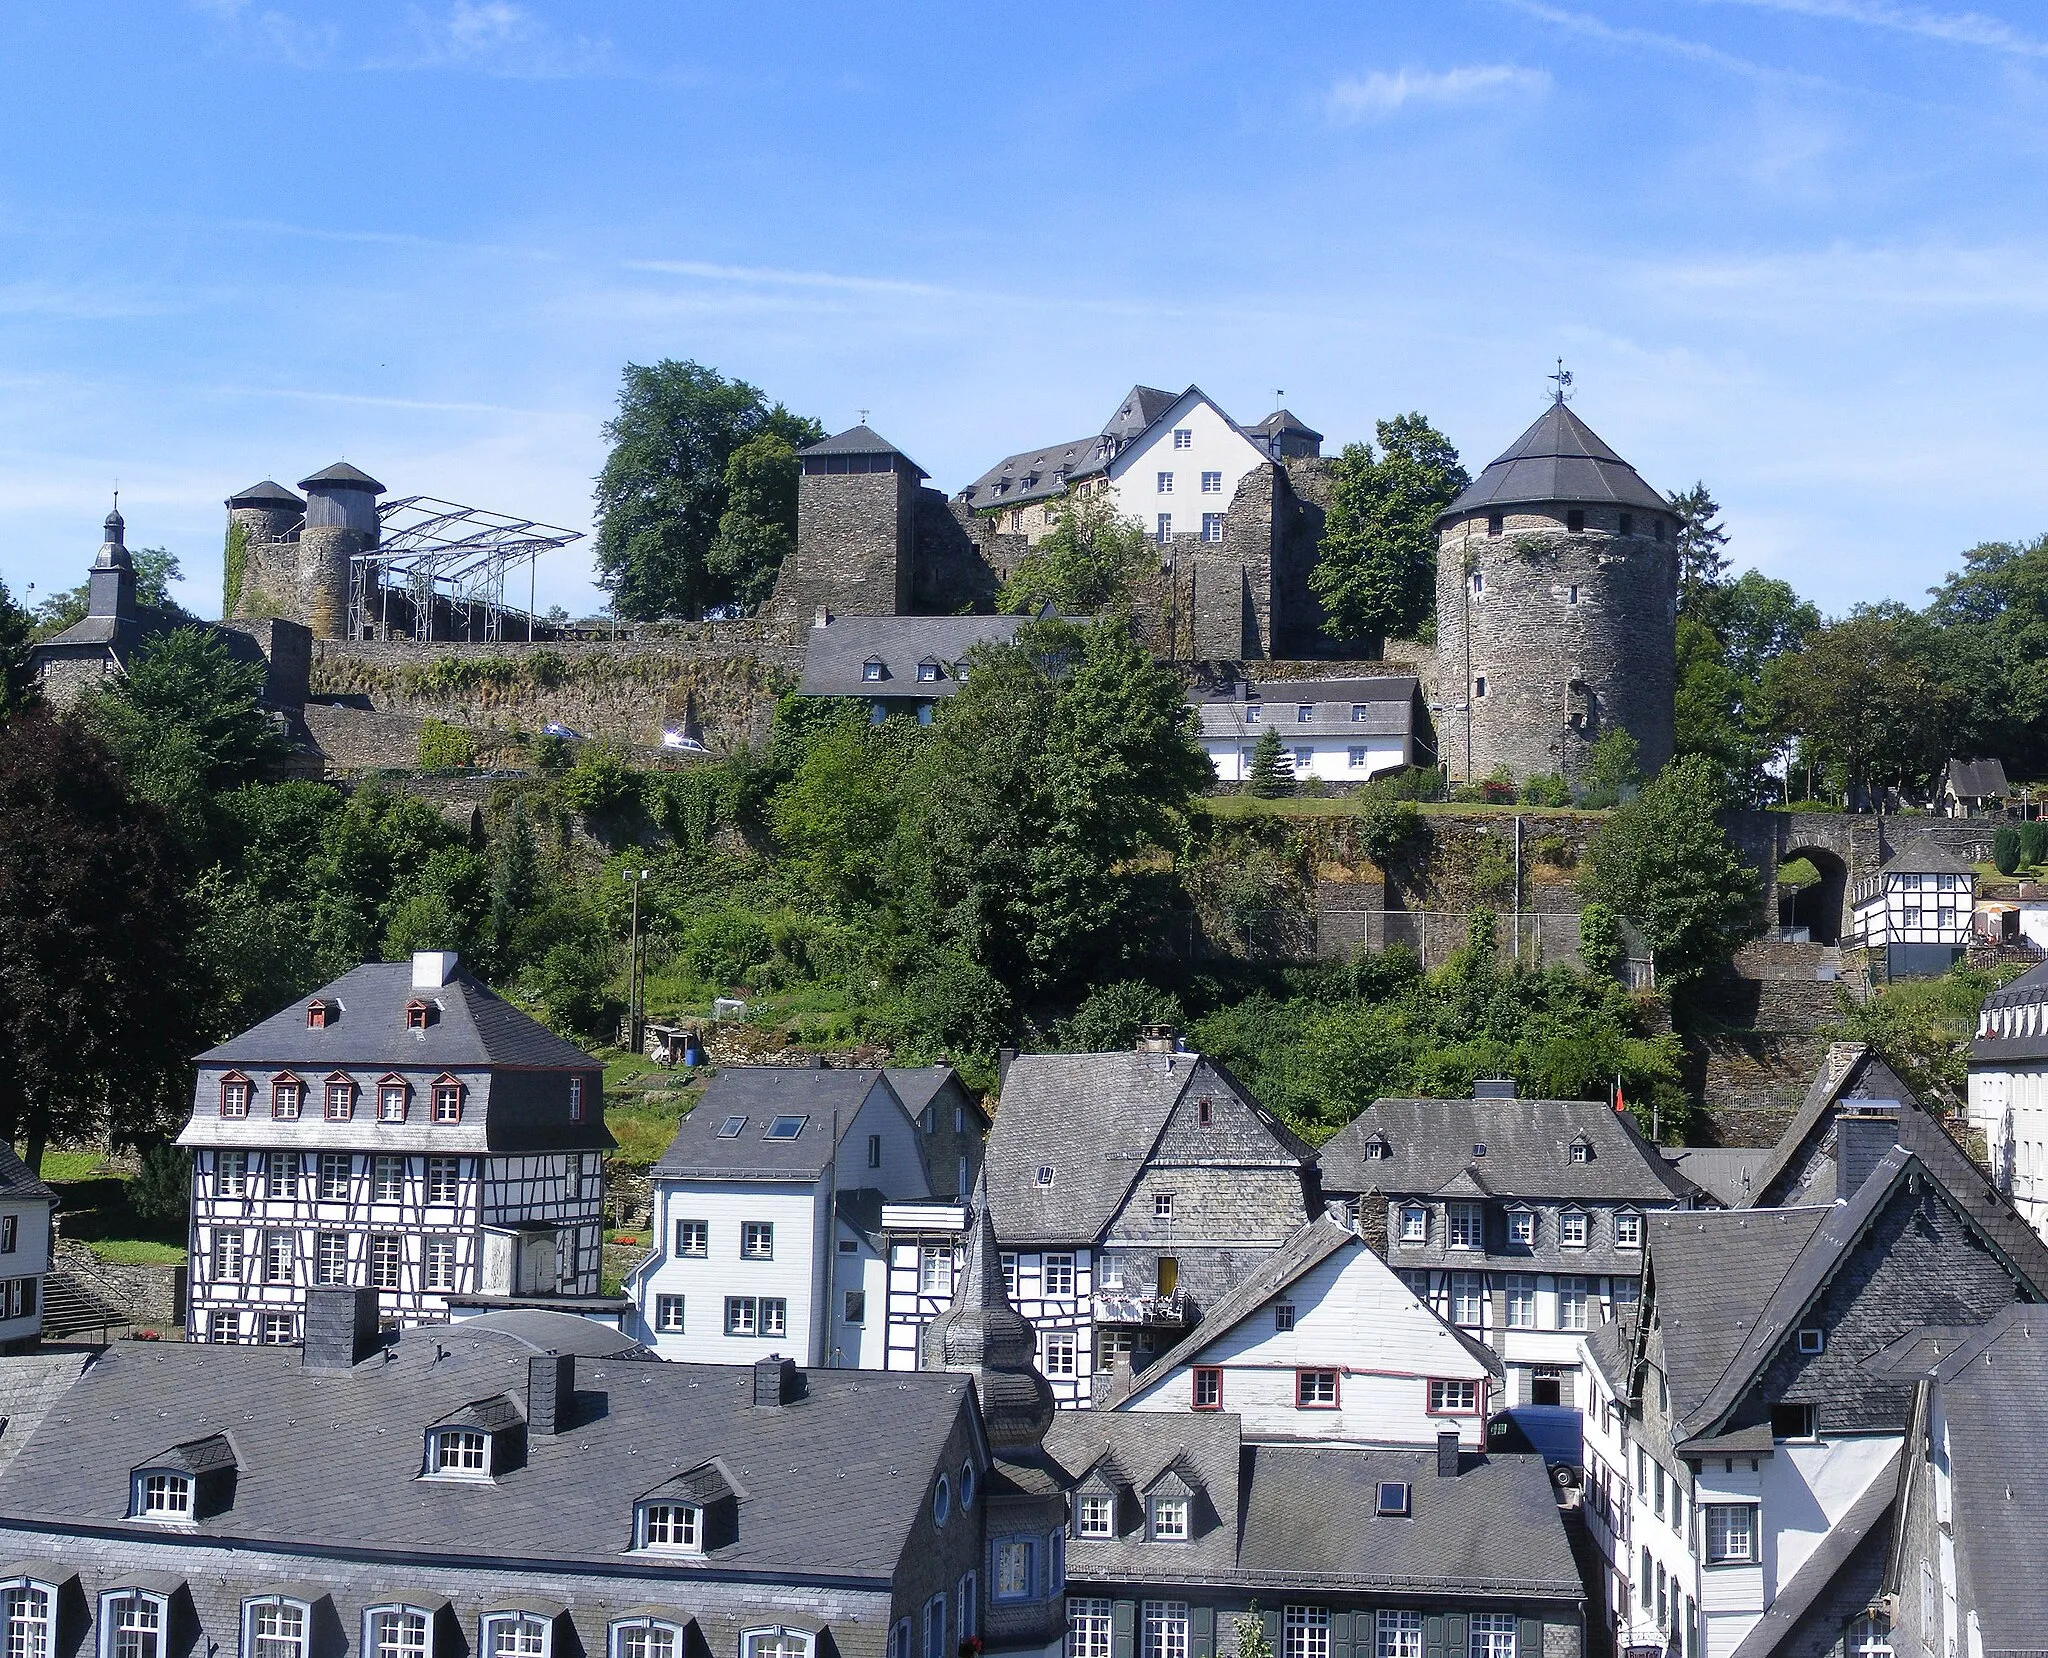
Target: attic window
{"points": [[1205, 1110], [447, 1100], [1095, 1515], [234, 1095], [871, 668], [1375, 1150], [1812, 1341], [1169, 1519], [785, 1128], [418, 1014], [1045, 1174], [1393, 1497], [671, 1527], [1575, 522], [928, 670], [319, 1014], [1581, 1152], [162, 1495], [730, 1129], [1495, 523], [459, 1453]]}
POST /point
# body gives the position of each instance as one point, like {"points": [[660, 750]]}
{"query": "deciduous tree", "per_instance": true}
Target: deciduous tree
{"points": [[1376, 573]]}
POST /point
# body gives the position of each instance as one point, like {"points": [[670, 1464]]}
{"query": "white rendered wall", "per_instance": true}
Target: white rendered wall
{"points": [[1216, 446], [1330, 760], [2018, 1088], [704, 1282]]}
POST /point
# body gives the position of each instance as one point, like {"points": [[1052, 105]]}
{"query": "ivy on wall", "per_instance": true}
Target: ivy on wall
{"points": [[235, 563]]}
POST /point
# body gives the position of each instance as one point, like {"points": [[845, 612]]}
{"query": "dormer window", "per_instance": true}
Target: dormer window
{"points": [[447, 1100], [274, 1627], [234, 1095], [518, 1635], [1253, 713], [1095, 1514], [1522, 1227], [393, 1096], [1582, 1150], [132, 1623], [319, 1015], [1571, 1229], [675, 1527], [1376, 1149], [287, 1095], [928, 670], [1628, 1229], [1414, 1224], [871, 669], [418, 1014], [161, 1495], [341, 1098], [459, 1453], [1169, 1519], [1045, 1174]]}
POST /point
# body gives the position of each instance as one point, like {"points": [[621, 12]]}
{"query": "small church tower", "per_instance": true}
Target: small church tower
{"points": [[1557, 608]]}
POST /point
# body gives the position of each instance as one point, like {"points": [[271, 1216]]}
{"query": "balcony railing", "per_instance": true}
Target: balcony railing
{"points": [[1117, 1307]]}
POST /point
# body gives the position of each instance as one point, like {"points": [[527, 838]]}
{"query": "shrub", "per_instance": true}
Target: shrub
{"points": [[162, 1190], [444, 747], [1409, 783], [1385, 826], [723, 946], [1111, 1016], [2033, 843], [1599, 939], [1546, 789], [601, 784], [1555, 851], [2005, 850]]}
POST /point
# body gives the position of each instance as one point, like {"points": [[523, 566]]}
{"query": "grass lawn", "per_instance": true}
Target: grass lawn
{"points": [[93, 1209], [1337, 805]]}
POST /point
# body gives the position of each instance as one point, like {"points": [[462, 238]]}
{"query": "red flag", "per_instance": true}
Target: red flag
{"points": [[1620, 1104]]}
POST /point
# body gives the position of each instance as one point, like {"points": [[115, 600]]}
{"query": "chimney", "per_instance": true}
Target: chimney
{"points": [[774, 1380], [822, 618], [1863, 1134], [1003, 1058], [341, 1328], [1156, 1039], [1447, 1454], [550, 1392], [432, 968], [1494, 1088]]}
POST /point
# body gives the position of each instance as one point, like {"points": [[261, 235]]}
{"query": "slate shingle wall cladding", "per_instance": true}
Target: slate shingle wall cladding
{"points": [[207, 1614], [938, 1556], [1823, 1629], [1530, 642], [1918, 1264], [1259, 1209]]}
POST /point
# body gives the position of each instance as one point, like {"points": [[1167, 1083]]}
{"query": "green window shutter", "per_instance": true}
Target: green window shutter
{"points": [[1454, 1635], [1272, 1622], [1433, 1636], [1202, 1634], [1122, 1615], [1531, 1645], [1340, 1634]]}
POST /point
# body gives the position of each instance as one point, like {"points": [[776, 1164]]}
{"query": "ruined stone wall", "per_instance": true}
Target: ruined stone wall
{"points": [[1572, 633]]}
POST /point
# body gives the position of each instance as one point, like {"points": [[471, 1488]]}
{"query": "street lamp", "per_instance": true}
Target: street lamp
{"points": [[635, 1009]]}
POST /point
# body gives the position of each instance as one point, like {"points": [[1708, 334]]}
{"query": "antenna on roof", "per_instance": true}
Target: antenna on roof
{"points": [[1279, 397], [1562, 379]]}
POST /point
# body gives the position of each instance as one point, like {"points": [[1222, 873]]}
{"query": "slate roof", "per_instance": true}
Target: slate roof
{"points": [[916, 1087], [859, 440], [2030, 989], [269, 493], [1976, 779], [836, 655], [475, 1027], [343, 476], [1528, 1151], [1558, 459], [874, 1441], [1924, 855], [16, 1183], [1388, 705], [1314, 1244], [1847, 1071], [1727, 1174], [546, 1332], [1038, 474], [30, 1385], [1093, 1119], [1140, 410], [1295, 1516], [1285, 420], [760, 1094], [1871, 1512]]}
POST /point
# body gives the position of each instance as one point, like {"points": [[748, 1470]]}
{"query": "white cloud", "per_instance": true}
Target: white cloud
{"points": [[1957, 28], [1698, 51], [1377, 94], [496, 37]]}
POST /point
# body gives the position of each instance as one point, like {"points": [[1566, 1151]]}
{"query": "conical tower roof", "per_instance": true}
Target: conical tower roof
{"points": [[1560, 459], [983, 1336]]}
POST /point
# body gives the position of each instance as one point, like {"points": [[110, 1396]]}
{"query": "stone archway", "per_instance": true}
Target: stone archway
{"points": [[1821, 907]]}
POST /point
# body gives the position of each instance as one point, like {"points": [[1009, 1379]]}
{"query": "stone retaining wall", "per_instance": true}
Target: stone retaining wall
{"points": [[153, 1295]]}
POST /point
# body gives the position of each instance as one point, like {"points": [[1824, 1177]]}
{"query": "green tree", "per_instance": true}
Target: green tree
{"points": [[17, 633], [1272, 773], [1663, 861], [1866, 692], [1599, 939], [444, 747], [1993, 618], [1386, 827], [1728, 635], [1111, 1016], [2005, 849], [1084, 566], [96, 1002], [155, 569], [665, 488], [601, 784], [1701, 563], [757, 530], [1612, 772], [1376, 572], [837, 815], [162, 1188]]}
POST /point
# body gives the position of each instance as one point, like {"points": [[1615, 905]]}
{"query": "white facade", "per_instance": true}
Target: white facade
{"points": [[25, 1245], [1397, 1373], [748, 1266], [1179, 477], [1910, 907], [1641, 1509], [2008, 1105], [1331, 730]]}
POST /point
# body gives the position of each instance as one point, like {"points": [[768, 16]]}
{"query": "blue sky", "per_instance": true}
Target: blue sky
{"points": [[1792, 247]]}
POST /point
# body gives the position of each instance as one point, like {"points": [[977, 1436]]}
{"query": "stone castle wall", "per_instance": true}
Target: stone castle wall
{"points": [[855, 545], [1573, 634]]}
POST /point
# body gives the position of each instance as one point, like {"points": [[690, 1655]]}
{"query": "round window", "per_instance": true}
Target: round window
{"points": [[967, 1486], [942, 1501]]}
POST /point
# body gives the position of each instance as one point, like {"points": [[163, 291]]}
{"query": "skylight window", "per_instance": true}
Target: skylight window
{"points": [[785, 1128], [731, 1127], [1045, 1174], [1393, 1497]]}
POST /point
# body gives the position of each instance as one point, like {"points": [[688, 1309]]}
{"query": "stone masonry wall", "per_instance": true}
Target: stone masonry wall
{"points": [[1596, 607], [854, 545]]}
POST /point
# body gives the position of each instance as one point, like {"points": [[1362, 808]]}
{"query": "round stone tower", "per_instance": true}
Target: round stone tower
{"points": [[261, 568], [341, 521], [1556, 607]]}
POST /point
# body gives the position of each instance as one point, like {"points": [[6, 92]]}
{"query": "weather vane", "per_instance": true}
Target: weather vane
{"points": [[1562, 379], [863, 417]]}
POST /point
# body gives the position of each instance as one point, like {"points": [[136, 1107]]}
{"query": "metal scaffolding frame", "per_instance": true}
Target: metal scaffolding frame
{"points": [[433, 549]]}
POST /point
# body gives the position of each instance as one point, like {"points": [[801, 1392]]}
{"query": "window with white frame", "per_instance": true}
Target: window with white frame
{"points": [[757, 1240], [1468, 1299], [1628, 1229], [1492, 1635], [162, 1495], [1166, 1629], [29, 1610], [330, 1258], [1354, 757], [742, 1315], [281, 1173], [1398, 1635], [693, 1237], [646, 1638], [1522, 1227], [231, 1174], [935, 1627], [1088, 1622], [1571, 1303], [278, 1329], [132, 1624], [1166, 483], [1057, 1354], [447, 1102], [1212, 483], [227, 1254], [396, 1632], [774, 1316], [1305, 1632], [285, 1096], [391, 1101], [677, 1527], [1731, 1534], [1520, 1295], [444, 1179], [387, 1179], [1870, 1636], [1016, 1569], [1095, 1516], [668, 1315], [224, 1326], [517, 1635], [1183, 437], [1466, 1223], [387, 1261], [459, 1453], [341, 1100], [334, 1169], [935, 1269], [1169, 1519], [1414, 1224], [439, 1265], [234, 1097], [1571, 1229], [1212, 526], [1059, 1275], [1451, 1396], [274, 1628], [1164, 531]]}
